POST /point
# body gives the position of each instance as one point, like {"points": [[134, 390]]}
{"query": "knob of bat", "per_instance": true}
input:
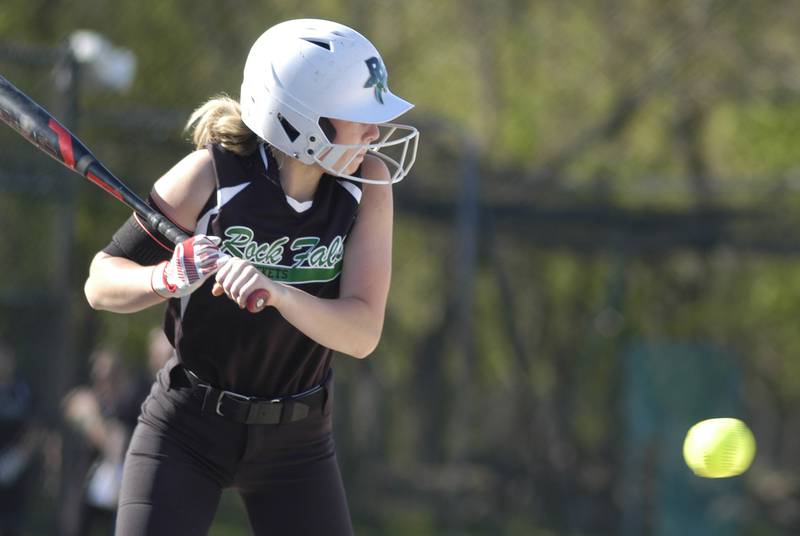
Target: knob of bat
{"points": [[257, 300]]}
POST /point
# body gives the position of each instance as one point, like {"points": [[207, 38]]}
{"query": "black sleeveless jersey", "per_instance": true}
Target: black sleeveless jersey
{"points": [[262, 354]]}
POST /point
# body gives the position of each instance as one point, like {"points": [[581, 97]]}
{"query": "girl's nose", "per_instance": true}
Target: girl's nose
{"points": [[372, 133]]}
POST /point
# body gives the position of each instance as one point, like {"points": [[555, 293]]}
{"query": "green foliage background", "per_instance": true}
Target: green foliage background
{"points": [[496, 401]]}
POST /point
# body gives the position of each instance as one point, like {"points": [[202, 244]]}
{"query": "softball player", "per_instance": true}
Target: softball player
{"points": [[288, 192]]}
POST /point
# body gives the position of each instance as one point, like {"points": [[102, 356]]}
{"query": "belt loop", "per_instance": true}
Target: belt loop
{"points": [[210, 398], [287, 409]]}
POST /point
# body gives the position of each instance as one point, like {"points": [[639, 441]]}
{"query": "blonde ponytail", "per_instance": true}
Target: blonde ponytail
{"points": [[220, 121]]}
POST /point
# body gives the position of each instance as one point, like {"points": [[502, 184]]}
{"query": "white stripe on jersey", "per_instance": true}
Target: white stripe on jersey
{"points": [[223, 196], [354, 190], [263, 154], [299, 206]]}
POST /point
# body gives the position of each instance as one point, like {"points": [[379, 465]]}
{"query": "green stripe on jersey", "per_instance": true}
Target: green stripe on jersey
{"points": [[300, 274]]}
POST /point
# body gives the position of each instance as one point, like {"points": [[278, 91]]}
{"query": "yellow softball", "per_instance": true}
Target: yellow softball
{"points": [[719, 448]]}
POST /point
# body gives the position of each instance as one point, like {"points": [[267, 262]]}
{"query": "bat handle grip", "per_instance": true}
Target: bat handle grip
{"points": [[257, 300], [173, 234], [166, 227]]}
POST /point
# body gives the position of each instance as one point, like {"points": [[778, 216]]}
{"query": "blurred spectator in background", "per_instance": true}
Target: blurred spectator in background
{"points": [[103, 415], [93, 470], [17, 444]]}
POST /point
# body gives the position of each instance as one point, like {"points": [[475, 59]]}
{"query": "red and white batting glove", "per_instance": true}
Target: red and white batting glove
{"points": [[193, 261]]}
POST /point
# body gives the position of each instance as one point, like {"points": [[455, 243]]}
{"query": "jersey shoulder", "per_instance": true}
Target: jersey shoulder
{"points": [[231, 168]]}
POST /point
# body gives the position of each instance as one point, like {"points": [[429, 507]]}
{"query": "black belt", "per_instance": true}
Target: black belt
{"points": [[257, 410]]}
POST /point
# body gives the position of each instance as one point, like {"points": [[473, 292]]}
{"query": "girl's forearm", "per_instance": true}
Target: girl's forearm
{"points": [[346, 325], [119, 285]]}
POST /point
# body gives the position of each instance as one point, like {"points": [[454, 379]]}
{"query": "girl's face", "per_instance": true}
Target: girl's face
{"points": [[349, 133]]}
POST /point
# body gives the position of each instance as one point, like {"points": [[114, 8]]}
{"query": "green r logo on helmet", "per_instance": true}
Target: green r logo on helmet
{"points": [[377, 77]]}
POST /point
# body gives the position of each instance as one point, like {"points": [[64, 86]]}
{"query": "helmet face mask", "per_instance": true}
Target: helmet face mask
{"points": [[396, 147], [302, 72]]}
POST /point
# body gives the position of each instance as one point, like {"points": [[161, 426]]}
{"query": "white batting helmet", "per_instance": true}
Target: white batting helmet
{"points": [[300, 73]]}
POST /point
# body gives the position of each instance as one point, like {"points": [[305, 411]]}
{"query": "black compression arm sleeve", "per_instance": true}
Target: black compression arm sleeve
{"points": [[134, 240]]}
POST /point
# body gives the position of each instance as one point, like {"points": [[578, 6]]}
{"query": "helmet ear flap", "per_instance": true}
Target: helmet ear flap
{"points": [[327, 128]]}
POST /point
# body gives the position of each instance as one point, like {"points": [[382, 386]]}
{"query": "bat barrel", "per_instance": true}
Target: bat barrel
{"points": [[36, 125]]}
